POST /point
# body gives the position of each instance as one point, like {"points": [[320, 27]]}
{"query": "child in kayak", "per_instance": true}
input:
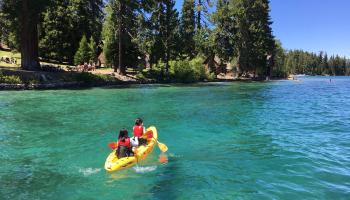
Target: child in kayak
{"points": [[138, 130], [124, 145]]}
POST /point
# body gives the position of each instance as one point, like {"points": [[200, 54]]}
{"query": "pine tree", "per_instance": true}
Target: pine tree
{"points": [[202, 8], [83, 53], [325, 64], [57, 37], [253, 37], [204, 42], [88, 16], [199, 14], [92, 50], [347, 69], [224, 30], [187, 28], [109, 30], [280, 60], [165, 29], [319, 63], [64, 24], [120, 34]]}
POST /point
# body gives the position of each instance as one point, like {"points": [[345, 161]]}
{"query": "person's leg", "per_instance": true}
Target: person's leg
{"points": [[121, 152]]}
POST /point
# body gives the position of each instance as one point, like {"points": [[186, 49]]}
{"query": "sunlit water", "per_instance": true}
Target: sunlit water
{"points": [[273, 140]]}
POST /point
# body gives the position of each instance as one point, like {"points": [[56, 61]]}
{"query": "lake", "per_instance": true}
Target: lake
{"points": [[239, 140]]}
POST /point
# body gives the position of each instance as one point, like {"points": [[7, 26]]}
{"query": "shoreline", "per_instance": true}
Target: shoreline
{"points": [[82, 85], [43, 80]]}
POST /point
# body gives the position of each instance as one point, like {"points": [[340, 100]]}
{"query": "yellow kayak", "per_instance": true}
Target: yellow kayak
{"points": [[113, 163]]}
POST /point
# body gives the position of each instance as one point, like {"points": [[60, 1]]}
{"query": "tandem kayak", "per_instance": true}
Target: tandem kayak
{"points": [[113, 163]]}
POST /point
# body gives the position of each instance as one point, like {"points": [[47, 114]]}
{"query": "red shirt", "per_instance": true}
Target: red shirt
{"points": [[138, 131]]}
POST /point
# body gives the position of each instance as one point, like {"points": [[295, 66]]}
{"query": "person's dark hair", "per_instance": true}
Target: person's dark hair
{"points": [[138, 122], [123, 134]]}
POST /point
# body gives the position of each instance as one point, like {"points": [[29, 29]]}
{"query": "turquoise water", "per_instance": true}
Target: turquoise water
{"points": [[275, 140]]}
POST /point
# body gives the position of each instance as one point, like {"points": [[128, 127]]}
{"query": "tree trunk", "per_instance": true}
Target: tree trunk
{"points": [[121, 67], [29, 38], [167, 33], [199, 14]]}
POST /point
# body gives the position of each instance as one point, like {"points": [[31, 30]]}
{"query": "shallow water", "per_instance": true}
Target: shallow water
{"points": [[275, 140]]}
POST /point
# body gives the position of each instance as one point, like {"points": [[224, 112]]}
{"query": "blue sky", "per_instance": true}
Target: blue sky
{"points": [[312, 25]]}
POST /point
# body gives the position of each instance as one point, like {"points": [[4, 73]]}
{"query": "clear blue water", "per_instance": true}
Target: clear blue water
{"points": [[275, 140]]}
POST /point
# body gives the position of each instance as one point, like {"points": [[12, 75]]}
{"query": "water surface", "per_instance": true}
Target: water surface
{"points": [[273, 140]]}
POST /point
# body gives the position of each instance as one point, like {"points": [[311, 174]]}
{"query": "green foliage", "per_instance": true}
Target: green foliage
{"points": [[158, 72], [303, 62], [144, 35], [111, 36], [253, 35], [108, 35], [93, 50], [279, 61], [63, 25], [187, 71], [9, 33], [10, 14], [187, 28], [241, 33], [224, 30], [10, 79], [57, 38], [204, 41], [84, 52], [183, 71], [141, 76], [165, 28]]}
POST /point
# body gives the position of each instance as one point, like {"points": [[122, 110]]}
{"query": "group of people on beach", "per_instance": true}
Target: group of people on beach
{"points": [[86, 67], [127, 145], [9, 60]]}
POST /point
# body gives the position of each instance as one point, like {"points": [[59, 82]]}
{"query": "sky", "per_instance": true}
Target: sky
{"points": [[311, 25]]}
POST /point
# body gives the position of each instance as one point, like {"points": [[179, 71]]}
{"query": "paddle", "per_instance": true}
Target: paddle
{"points": [[161, 146], [113, 145]]}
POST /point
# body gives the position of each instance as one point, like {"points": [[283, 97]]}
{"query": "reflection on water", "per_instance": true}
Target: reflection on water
{"points": [[163, 158]]}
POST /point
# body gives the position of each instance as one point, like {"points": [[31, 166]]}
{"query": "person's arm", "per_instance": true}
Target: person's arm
{"points": [[134, 142]]}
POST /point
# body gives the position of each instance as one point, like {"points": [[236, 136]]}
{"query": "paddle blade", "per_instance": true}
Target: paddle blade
{"points": [[149, 134], [113, 145], [162, 147]]}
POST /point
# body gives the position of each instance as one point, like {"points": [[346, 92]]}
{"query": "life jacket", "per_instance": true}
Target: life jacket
{"points": [[125, 143], [138, 131]]}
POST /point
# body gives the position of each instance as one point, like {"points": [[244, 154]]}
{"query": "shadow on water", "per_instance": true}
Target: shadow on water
{"points": [[167, 182]]}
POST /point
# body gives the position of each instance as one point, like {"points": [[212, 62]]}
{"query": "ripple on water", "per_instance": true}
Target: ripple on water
{"points": [[144, 169], [89, 171]]}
